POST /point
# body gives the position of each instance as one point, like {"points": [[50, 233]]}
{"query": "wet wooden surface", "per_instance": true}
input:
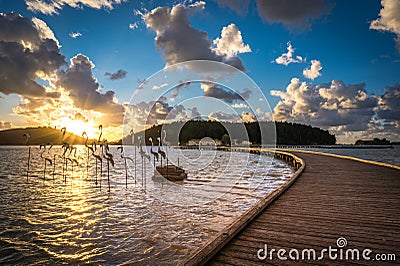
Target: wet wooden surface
{"points": [[332, 198]]}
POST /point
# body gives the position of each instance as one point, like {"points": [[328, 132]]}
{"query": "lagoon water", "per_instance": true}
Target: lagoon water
{"points": [[384, 155], [75, 222], [390, 156]]}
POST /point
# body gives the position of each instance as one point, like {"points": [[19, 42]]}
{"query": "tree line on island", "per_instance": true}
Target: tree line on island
{"points": [[285, 134]]}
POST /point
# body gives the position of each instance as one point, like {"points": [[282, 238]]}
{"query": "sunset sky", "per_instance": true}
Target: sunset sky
{"points": [[77, 63]]}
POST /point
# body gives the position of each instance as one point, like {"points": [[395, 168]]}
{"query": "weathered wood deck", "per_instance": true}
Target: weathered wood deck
{"points": [[332, 198]]}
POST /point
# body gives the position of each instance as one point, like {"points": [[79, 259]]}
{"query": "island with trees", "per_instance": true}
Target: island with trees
{"points": [[284, 133]]}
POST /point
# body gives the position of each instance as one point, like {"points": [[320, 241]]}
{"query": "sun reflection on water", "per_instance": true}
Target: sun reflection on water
{"points": [[74, 222]]}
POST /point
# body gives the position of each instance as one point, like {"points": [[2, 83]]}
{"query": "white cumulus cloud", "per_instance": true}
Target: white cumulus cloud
{"points": [[231, 42], [44, 31], [314, 71], [134, 25], [180, 41], [240, 106], [389, 19], [345, 109], [50, 7], [287, 58], [75, 35]]}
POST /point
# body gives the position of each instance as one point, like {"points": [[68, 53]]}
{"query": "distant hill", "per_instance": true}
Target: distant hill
{"points": [[39, 135], [286, 133], [374, 141]]}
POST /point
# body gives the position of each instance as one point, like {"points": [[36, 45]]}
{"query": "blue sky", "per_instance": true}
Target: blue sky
{"points": [[337, 35]]}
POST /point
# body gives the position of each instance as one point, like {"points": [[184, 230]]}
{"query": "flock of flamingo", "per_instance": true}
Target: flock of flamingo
{"points": [[99, 150]]}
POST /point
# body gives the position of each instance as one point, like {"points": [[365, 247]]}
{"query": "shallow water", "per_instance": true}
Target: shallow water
{"points": [[74, 222], [383, 155]]}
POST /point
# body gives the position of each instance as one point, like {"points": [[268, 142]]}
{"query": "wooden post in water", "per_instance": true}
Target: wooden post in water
{"points": [[87, 162], [29, 158], [101, 173], [142, 170], [44, 170], [126, 174], [54, 165], [108, 174], [63, 170], [96, 173], [135, 163], [66, 170]]}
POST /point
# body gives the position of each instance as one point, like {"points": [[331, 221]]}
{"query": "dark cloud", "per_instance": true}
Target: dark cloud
{"points": [[26, 55], [389, 104], [215, 91], [291, 13], [195, 114], [240, 6], [182, 84], [82, 87], [29, 52], [161, 110], [181, 42], [15, 28], [154, 112], [120, 74], [79, 116]]}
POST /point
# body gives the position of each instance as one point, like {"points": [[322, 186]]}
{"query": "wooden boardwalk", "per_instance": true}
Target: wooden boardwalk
{"points": [[332, 198]]}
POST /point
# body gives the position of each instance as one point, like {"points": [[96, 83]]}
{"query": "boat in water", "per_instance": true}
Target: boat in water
{"points": [[171, 172]]}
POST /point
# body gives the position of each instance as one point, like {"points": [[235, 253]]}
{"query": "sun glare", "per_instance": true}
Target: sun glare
{"points": [[77, 127]]}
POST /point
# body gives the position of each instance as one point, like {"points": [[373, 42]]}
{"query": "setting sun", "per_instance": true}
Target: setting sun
{"points": [[77, 127]]}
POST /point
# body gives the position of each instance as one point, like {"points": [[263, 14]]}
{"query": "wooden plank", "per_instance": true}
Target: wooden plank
{"points": [[335, 196], [211, 247]]}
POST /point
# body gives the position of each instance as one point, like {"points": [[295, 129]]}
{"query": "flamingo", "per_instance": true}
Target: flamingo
{"points": [[87, 152], [109, 157], [101, 132], [135, 146], [54, 158], [155, 154], [121, 149], [72, 160], [98, 155], [98, 158], [54, 163], [161, 152], [27, 136], [65, 146], [143, 154], [167, 143], [63, 131], [75, 159], [165, 138], [45, 159]]}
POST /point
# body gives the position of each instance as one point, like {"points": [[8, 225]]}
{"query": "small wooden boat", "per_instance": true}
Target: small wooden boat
{"points": [[171, 172]]}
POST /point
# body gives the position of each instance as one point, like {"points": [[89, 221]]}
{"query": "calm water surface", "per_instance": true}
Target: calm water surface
{"points": [[384, 155], [74, 222]]}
